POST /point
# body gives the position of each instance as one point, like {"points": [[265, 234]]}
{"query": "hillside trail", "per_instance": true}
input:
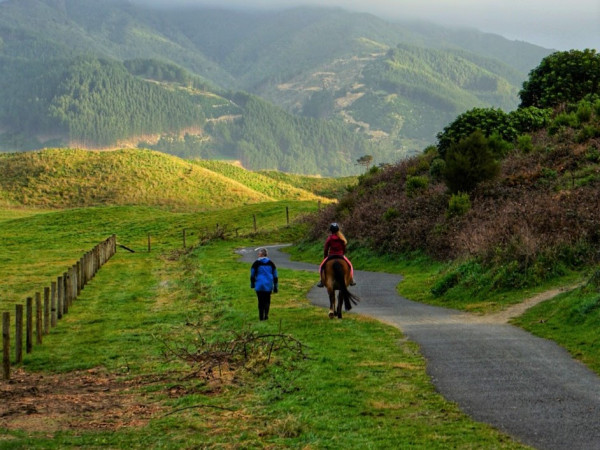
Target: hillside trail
{"points": [[525, 386]]}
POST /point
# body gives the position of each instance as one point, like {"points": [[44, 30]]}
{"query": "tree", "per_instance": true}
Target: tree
{"points": [[470, 162], [488, 121], [562, 77], [365, 160]]}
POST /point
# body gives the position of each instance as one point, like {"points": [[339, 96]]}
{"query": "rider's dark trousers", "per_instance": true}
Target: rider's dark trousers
{"points": [[264, 303]]}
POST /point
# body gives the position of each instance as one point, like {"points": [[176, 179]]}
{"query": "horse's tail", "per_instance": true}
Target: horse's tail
{"points": [[340, 277]]}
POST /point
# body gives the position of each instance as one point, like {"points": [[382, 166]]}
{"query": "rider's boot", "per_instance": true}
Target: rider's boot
{"points": [[320, 283]]}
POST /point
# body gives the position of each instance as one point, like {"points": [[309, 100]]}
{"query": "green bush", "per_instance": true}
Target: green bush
{"points": [[584, 112], [415, 184], [470, 162], [446, 283], [525, 143], [390, 214], [459, 204], [436, 169]]}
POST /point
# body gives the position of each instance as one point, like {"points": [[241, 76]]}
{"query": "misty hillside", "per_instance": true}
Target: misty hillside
{"points": [[380, 81]]}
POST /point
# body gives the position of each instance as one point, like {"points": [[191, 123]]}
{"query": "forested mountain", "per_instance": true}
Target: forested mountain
{"points": [[97, 73]]}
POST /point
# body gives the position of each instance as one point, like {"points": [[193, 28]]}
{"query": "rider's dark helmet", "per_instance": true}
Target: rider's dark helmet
{"points": [[334, 227]]}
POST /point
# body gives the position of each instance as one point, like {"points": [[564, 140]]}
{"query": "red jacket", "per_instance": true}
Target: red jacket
{"points": [[334, 246]]}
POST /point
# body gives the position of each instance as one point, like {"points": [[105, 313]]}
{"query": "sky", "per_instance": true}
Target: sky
{"points": [[554, 24]]}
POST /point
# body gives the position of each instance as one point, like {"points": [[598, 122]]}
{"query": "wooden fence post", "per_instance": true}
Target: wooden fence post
{"points": [[53, 308], [29, 325], [38, 318], [46, 310], [6, 345], [65, 302], [79, 276], [18, 334], [59, 298], [287, 215]]}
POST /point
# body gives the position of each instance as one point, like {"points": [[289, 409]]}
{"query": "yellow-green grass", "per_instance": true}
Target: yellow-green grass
{"points": [[327, 187], [280, 185], [67, 178], [38, 247], [361, 384]]}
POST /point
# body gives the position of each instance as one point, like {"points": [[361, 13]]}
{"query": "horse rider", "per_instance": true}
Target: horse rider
{"points": [[336, 245]]}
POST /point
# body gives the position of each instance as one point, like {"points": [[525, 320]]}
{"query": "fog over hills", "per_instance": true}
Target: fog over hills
{"points": [[553, 25], [299, 89]]}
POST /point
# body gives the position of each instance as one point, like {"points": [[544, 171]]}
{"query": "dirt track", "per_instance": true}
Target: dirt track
{"points": [[499, 374]]}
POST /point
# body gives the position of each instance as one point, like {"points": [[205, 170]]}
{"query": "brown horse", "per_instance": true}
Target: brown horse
{"points": [[336, 276]]}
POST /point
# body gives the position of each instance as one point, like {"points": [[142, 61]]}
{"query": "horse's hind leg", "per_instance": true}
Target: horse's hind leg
{"points": [[339, 306], [331, 304]]}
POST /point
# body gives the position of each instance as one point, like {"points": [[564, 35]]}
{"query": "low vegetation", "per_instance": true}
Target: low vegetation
{"points": [[508, 201], [112, 372]]}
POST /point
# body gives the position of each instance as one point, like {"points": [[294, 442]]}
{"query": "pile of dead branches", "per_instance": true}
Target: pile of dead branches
{"points": [[247, 350]]}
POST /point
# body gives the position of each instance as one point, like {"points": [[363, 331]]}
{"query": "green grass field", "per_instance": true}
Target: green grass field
{"points": [[152, 327]]}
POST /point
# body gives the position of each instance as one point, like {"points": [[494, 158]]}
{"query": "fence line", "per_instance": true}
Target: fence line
{"points": [[56, 302], [60, 295]]}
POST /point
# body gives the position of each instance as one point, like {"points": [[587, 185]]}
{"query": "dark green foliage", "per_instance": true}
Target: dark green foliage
{"points": [[91, 101], [469, 162], [562, 77], [436, 169], [412, 83], [404, 98], [320, 105], [158, 70], [494, 122], [485, 120], [529, 119], [415, 184], [267, 138], [459, 204]]}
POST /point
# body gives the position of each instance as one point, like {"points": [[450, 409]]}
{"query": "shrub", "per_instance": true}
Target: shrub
{"points": [[415, 184], [445, 283], [485, 120], [469, 162], [525, 143], [459, 204], [563, 120], [550, 174], [527, 120], [436, 169], [584, 112], [391, 214]]}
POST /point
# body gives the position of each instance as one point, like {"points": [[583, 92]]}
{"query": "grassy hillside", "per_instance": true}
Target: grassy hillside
{"points": [[67, 178]]}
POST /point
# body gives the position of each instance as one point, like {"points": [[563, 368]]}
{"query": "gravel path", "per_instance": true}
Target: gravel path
{"points": [[499, 374]]}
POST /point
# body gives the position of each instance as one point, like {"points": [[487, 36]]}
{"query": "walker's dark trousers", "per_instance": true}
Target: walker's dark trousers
{"points": [[264, 303]]}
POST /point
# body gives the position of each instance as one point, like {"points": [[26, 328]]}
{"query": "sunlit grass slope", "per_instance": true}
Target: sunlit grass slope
{"points": [[38, 247], [66, 178], [280, 185], [327, 187]]}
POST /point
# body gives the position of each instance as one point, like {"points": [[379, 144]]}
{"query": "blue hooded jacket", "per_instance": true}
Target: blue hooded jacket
{"points": [[263, 275]]}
